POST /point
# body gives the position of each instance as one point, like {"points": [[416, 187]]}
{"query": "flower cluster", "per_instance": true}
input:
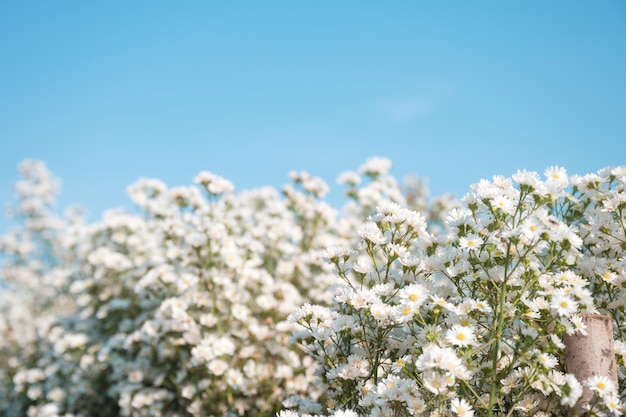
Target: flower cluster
{"points": [[471, 321], [178, 309], [210, 302]]}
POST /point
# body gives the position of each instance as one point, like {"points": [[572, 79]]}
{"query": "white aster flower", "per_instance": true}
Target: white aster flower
{"points": [[601, 384], [470, 242], [461, 335], [548, 360], [375, 166], [613, 404], [461, 407], [578, 324], [370, 231], [563, 303], [349, 177], [414, 294]]}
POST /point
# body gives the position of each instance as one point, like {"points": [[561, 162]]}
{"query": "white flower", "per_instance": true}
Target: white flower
{"points": [[548, 360], [556, 176], [349, 177], [613, 404], [461, 336], [572, 390], [601, 384], [579, 325], [223, 346], [336, 253], [461, 407], [563, 303], [188, 391], [217, 367], [213, 183], [470, 242], [375, 166], [529, 178], [414, 294], [370, 231]]}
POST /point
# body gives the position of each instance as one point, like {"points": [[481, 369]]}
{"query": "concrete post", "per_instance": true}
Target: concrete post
{"points": [[591, 355]]}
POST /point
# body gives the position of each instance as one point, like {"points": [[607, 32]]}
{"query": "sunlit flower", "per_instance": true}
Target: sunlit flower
{"points": [[563, 303], [471, 242], [461, 407], [461, 336], [600, 384]]}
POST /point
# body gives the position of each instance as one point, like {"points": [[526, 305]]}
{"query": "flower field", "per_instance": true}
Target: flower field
{"points": [[208, 301]]}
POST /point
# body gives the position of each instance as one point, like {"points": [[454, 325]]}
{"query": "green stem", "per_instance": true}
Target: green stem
{"points": [[499, 325]]}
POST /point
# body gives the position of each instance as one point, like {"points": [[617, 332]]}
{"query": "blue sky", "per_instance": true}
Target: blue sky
{"points": [[107, 92]]}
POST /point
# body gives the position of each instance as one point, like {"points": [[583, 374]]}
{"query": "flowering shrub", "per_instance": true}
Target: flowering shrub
{"points": [[179, 309], [34, 270], [471, 322], [206, 301]]}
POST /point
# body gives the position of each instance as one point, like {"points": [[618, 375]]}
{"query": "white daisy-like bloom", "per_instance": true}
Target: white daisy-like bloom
{"points": [[370, 231], [481, 306], [361, 299], [382, 312], [335, 253], [530, 178], [527, 403], [548, 360], [620, 348], [578, 325], [436, 300], [375, 166], [414, 294], [349, 177], [461, 407], [459, 216], [405, 312], [389, 208], [315, 186], [470, 242], [556, 174], [607, 275], [563, 303], [397, 251], [601, 384], [485, 189], [571, 390], [435, 382], [188, 391], [503, 203], [613, 404], [363, 265], [461, 336], [234, 378]]}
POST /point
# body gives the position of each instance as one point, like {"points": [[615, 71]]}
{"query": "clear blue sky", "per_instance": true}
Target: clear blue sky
{"points": [[107, 92]]}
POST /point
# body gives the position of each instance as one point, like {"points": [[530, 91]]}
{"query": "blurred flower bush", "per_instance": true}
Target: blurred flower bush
{"points": [[205, 301], [177, 309]]}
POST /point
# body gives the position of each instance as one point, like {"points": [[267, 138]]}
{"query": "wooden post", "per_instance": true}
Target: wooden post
{"points": [[591, 355]]}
